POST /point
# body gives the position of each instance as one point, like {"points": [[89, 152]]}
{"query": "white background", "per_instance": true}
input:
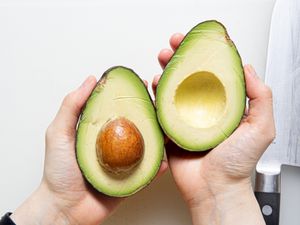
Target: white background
{"points": [[47, 48]]}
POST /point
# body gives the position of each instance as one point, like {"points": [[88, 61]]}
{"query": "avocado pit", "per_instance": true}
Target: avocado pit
{"points": [[119, 146]]}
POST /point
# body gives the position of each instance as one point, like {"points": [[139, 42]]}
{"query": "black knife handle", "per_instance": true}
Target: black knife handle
{"points": [[269, 204]]}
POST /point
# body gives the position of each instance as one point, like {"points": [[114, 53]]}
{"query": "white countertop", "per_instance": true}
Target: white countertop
{"points": [[48, 47]]}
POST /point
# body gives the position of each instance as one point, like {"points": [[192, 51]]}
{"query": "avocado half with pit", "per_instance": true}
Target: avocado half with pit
{"points": [[201, 96], [119, 145]]}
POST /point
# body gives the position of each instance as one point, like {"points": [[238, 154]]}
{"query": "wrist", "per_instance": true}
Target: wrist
{"points": [[41, 209], [217, 190], [232, 204]]}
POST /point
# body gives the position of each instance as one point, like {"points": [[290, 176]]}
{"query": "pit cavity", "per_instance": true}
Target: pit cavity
{"points": [[200, 99]]}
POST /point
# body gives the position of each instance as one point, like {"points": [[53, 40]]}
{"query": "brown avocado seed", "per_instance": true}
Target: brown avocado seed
{"points": [[119, 146]]}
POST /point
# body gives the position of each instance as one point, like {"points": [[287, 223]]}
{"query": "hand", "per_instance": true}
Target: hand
{"points": [[64, 197], [216, 184]]}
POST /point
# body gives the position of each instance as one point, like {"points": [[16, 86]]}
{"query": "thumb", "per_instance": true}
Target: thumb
{"points": [[67, 117], [260, 101]]}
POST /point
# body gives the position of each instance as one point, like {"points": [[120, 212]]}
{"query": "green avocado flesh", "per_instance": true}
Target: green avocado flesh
{"points": [[201, 96], [119, 94]]}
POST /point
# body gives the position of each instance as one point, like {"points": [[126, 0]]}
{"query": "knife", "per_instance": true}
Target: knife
{"points": [[283, 76]]}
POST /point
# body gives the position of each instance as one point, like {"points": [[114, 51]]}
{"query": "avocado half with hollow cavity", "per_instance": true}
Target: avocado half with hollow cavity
{"points": [[200, 97], [119, 145]]}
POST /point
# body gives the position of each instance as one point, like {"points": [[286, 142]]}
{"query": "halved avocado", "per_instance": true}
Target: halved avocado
{"points": [[120, 145], [201, 96]]}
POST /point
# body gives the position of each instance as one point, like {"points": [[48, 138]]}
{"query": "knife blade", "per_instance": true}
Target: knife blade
{"points": [[283, 76]]}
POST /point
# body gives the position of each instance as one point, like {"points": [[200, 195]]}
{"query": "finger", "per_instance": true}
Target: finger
{"points": [[145, 83], [175, 40], [164, 57], [260, 110], [163, 168], [68, 114], [155, 83]]}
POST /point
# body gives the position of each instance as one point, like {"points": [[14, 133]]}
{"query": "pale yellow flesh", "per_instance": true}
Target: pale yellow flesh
{"points": [[200, 99]]}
